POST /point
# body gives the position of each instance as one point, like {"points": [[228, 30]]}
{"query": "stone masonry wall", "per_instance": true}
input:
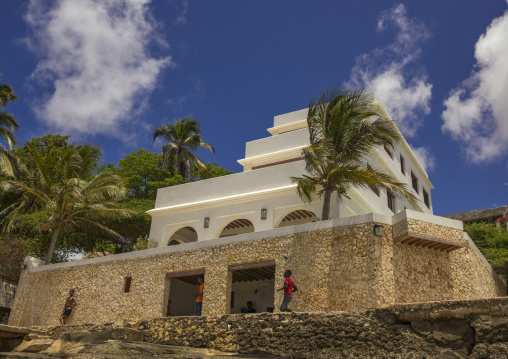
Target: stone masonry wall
{"points": [[337, 268], [455, 329]]}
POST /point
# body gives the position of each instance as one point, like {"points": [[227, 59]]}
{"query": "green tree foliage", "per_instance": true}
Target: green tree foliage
{"points": [[344, 128], [182, 138], [211, 170], [490, 240], [8, 124], [143, 173], [143, 243], [38, 173], [59, 182], [138, 225]]}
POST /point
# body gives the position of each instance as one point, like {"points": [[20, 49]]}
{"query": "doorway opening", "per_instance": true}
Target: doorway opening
{"points": [[182, 288], [254, 283]]}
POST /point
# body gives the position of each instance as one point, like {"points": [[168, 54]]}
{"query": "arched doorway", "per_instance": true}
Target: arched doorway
{"points": [[183, 235], [299, 216], [238, 226]]}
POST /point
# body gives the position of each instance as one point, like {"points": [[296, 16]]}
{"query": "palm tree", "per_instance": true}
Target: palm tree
{"points": [[8, 124], [344, 128], [60, 183], [182, 138]]}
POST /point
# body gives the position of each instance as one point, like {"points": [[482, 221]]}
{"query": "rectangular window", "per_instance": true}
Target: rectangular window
{"points": [[391, 200], [414, 182], [389, 150], [127, 284], [402, 165], [373, 188], [232, 300], [426, 198]]}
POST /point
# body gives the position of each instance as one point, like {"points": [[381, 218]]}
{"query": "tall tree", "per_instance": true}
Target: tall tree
{"points": [[8, 124], [344, 128], [182, 138], [143, 173], [60, 184]]}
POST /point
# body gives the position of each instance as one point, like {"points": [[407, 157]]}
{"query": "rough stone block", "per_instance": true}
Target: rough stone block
{"points": [[453, 332], [34, 346]]}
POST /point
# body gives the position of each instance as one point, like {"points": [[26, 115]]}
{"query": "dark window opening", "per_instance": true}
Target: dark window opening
{"points": [[373, 188], [402, 165], [426, 198], [391, 200], [127, 284], [414, 182], [389, 150], [232, 300]]}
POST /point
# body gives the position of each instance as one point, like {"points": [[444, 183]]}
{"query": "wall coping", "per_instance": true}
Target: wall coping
{"points": [[307, 227]]}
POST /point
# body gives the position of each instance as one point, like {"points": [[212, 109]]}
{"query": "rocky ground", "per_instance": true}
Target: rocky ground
{"points": [[115, 349]]}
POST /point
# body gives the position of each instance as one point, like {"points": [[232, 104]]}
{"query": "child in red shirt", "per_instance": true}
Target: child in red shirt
{"points": [[289, 288]]}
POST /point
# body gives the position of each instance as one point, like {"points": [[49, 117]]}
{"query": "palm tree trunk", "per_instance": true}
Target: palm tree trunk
{"points": [[52, 244], [326, 205]]}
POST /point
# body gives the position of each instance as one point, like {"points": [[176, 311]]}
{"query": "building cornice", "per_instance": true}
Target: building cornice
{"points": [[239, 198], [276, 130], [272, 156]]}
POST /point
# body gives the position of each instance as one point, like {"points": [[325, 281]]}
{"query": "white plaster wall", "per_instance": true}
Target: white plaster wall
{"points": [[260, 293], [227, 186], [290, 117], [278, 205], [243, 195], [277, 143]]}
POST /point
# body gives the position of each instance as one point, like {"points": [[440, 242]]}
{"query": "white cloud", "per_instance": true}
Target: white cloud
{"points": [[183, 8], [389, 71], [425, 158], [476, 113], [95, 56]]}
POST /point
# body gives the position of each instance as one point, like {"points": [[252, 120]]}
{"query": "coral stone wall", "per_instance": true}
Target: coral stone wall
{"points": [[336, 267], [471, 277]]}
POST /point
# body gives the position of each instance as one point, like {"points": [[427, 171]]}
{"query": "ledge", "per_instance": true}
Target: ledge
{"points": [[413, 239]]}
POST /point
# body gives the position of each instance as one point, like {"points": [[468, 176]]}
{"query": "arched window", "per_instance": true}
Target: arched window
{"points": [[183, 235], [300, 216], [238, 226]]}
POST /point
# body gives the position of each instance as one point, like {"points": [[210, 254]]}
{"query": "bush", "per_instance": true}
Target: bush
{"points": [[144, 243], [490, 240]]}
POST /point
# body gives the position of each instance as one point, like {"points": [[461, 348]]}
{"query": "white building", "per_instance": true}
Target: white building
{"points": [[262, 197]]}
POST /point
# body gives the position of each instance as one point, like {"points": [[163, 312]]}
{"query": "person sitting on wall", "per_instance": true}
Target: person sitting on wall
{"points": [[199, 296], [70, 303], [249, 308]]}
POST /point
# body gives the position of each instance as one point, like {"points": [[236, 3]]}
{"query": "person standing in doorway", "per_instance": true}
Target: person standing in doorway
{"points": [[289, 288], [70, 303], [199, 296]]}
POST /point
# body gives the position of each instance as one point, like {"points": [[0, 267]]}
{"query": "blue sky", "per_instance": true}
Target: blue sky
{"points": [[109, 71]]}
